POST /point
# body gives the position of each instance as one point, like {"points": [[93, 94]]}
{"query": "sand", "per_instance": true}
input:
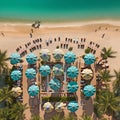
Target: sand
{"points": [[18, 34]]}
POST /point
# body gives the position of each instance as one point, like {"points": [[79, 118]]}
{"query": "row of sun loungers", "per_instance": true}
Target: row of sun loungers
{"points": [[37, 44]]}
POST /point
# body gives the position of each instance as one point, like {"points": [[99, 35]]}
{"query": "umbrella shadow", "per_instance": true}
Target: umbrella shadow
{"points": [[34, 105], [49, 116], [88, 107]]}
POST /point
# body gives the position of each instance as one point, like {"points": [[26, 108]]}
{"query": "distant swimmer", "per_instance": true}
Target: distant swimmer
{"points": [[30, 35]]}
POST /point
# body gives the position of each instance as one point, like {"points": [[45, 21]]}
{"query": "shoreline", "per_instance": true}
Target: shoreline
{"points": [[63, 24]]}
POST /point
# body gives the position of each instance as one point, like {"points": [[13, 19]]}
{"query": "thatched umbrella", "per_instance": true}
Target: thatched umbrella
{"points": [[87, 74], [58, 54], [45, 55], [48, 107]]}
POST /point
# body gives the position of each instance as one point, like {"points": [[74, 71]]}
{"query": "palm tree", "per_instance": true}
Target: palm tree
{"points": [[17, 111], [105, 76], [36, 117], [116, 90], [116, 84], [3, 59], [107, 53], [106, 103], [56, 117], [6, 95], [86, 117], [70, 117], [70, 49], [4, 113]]}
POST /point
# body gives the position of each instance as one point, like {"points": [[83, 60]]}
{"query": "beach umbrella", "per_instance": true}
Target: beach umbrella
{"points": [[45, 55], [58, 70], [55, 84], [89, 59], [59, 106], [87, 74], [72, 72], [72, 86], [15, 58], [58, 54], [30, 73], [73, 106], [33, 90], [89, 90], [31, 58], [16, 75], [48, 107], [17, 91], [44, 70], [70, 57]]}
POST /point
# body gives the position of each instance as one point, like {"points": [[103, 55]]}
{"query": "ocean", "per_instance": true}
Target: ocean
{"points": [[58, 10]]}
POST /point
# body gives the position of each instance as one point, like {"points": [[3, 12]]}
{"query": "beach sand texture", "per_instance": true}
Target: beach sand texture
{"points": [[14, 35]]}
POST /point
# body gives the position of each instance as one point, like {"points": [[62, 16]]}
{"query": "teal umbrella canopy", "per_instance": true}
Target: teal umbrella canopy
{"points": [[73, 106], [72, 86], [89, 59], [15, 58], [70, 57], [58, 54], [45, 55], [33, 90], [44, 70], [55, 84], [31, 58], [89, 90], [30, 73], [16, 75], [58, 70], [72, 72]]}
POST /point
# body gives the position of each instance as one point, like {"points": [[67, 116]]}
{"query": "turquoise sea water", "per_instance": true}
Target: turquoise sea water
{"points": [[58, 10]]}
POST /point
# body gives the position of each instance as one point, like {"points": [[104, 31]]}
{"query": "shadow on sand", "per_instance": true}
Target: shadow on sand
{"points": [[49, 116]]}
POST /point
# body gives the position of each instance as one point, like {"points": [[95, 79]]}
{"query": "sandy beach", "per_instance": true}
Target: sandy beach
{"points": [[18, 34]]}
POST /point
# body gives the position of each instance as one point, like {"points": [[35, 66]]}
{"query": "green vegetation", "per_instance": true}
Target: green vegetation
{"points": [[116, 90], [57, 47], [105, 76], [86, 117], [3, 59], [108, 53], [70, 48], [87, 50], [36, 117], [107, 100], [56, 99], [106, 103], [11, 109]]}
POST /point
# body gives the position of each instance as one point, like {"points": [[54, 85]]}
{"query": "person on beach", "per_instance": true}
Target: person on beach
{"points": [[2, 34], [31, 30], [30, 35], [103, 35]]}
